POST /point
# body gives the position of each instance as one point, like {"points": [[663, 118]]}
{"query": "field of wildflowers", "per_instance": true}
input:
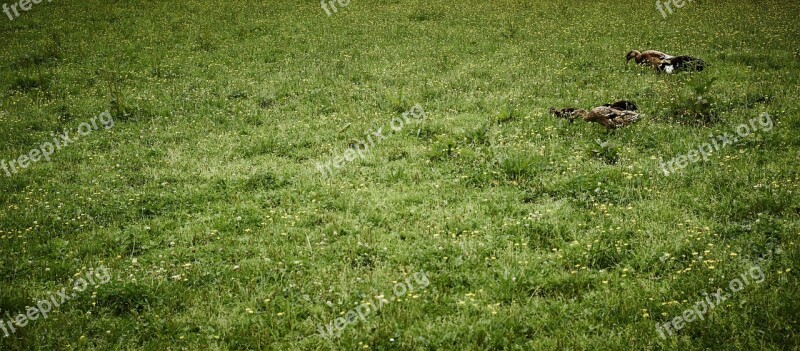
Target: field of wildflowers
{"points": [[205, 202]]}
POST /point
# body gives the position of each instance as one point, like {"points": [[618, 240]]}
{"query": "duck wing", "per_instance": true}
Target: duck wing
{"points": [[611, 118], [625, 118], [653, 58], [601, 115], [658, 54]]}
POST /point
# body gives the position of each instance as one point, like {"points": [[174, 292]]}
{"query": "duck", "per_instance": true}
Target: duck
{"points": [[665, 63], [650, 58], [612, 116]]}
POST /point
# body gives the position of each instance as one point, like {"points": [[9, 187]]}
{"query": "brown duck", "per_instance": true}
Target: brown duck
{"points": [[611, 116]]}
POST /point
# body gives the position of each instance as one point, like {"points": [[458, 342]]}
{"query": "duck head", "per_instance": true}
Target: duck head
{"points": [[565, 113], [632, 55]]}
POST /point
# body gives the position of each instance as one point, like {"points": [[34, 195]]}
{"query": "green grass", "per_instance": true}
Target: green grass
{"points": [[219, 233]]}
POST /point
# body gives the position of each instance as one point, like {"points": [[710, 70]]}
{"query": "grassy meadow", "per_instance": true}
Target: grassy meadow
{"points": [[205, 203]]}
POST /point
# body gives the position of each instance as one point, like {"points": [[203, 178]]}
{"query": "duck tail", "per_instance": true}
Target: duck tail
{"points": [[630, 117], [687, 63], [624, 105]]}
